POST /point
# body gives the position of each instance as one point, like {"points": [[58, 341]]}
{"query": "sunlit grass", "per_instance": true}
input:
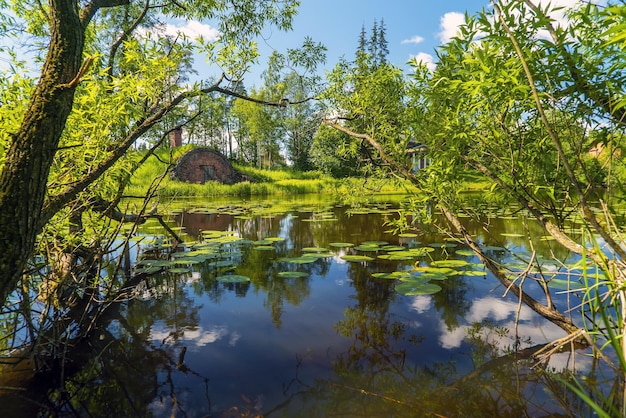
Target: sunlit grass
{"points": [[279, 181]]}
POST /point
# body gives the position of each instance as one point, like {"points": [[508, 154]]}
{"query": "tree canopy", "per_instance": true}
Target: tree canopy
{"points": [[109, 77]]}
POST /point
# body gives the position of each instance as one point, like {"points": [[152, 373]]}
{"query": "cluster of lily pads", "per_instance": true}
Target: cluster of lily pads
{"points": [[222, 250], [417, 280]]}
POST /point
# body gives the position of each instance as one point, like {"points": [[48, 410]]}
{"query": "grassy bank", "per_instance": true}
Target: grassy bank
{"points": [[279, 181]]}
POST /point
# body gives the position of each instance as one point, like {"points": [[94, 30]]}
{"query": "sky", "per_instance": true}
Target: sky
{"points": [[414, 28]]}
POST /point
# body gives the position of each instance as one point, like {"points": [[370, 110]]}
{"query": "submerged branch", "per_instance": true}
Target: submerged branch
{"points": [[552, 315]]}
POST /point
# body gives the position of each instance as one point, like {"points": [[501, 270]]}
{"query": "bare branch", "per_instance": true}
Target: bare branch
{"points": [[390, 161], [124, 36], [92, 8]]}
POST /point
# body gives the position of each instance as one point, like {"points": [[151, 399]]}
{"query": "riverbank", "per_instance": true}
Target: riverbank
{"points": [[277, 181]]}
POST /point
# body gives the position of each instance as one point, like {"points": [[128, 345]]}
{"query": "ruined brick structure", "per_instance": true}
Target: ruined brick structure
{"points": [[204, 164]]}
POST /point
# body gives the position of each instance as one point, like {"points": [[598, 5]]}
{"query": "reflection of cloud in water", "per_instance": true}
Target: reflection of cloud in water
{"points": [[502, 312], [201, 337], [197, 336], [497, 309], [421, 304], [234, 337]]}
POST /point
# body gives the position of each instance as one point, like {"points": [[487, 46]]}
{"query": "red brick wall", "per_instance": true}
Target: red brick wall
{"points": [[203, 164]]}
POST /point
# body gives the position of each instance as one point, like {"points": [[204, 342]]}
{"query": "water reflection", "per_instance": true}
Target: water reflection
{"points": [[336, 342]]}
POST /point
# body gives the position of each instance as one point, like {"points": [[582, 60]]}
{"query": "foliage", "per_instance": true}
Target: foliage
{"points": [[534, 106], [113, 78]]}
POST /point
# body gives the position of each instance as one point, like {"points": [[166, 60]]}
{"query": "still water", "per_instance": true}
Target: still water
{"points": [[333, 339]]}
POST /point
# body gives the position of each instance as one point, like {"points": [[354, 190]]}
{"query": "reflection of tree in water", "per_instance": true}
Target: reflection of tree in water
{"points": [[373, 330], [121, 365], [374, 377], [452, 301]]}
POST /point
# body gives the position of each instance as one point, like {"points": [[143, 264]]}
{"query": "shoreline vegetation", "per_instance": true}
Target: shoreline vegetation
{"points": [[267, 182]]}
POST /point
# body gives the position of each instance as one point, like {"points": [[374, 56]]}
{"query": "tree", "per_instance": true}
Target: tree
{"points": [[521, 100], [365, 95], [100, 46], [383, 46], [258, 130], [293, 75]]}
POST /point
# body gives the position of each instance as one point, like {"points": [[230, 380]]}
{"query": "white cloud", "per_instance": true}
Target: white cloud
{"points": [[504, 312], [421, 304], [426, 59], [197, 336], [193, 30], [413, 40], [449, 25]]}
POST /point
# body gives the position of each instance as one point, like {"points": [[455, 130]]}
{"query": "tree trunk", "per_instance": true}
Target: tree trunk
{"points": [[31, 151]]}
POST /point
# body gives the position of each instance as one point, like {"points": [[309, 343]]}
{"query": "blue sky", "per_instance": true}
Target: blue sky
{"points": [[414, 29], [413, 26]]}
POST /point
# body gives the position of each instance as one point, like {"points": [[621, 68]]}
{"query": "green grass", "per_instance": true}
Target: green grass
{"points": [[283, 181], [263, 182]]}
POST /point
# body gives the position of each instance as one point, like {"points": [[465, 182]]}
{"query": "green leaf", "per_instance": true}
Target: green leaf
{"points": [[414, 288], [232, 278], [356, 258]]}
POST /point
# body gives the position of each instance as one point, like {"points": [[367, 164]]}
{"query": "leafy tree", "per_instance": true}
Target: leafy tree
{"points": [[109, 77], [521, 100], [383, 46], [258, 131], [293, 75], [366, 95]]}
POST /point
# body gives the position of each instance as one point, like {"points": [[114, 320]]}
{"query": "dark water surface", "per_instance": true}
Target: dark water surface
{"points": [[335, 342]]}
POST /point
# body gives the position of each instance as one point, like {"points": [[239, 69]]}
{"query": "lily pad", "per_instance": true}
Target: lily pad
{"points": [[262, 242], [313, 250], [474, 273], [416, 288], [562, 284], [445, 271], [292, 274], [300, 260], [393, 275], [393, 248], [407, 235], [376, 243], [319, 255], [341, 244], [148, 270], [275, 239], [430, 276], [232, 278], [449, 263], [368, 248], [464, 253], [178, 270], [356, 258], [264, 247], [396, 257]]}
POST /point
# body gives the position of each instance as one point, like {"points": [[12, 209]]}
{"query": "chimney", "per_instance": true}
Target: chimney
{"points": [[176, 137]]}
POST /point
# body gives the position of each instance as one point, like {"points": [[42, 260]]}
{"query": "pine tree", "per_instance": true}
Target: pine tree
{"points": [[362, 40], [383, 48], [373, 44]]}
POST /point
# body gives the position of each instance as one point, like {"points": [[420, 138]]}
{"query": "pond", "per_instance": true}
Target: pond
{"points": [[304, 308]]}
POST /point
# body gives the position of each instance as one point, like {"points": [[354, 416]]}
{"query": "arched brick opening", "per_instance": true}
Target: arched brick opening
{"points": [[204, 164]]}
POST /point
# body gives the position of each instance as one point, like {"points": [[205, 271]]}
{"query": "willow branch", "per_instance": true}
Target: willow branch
{"points": [[124, 36], [551, 315], [586, 211], [381, 151]]}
